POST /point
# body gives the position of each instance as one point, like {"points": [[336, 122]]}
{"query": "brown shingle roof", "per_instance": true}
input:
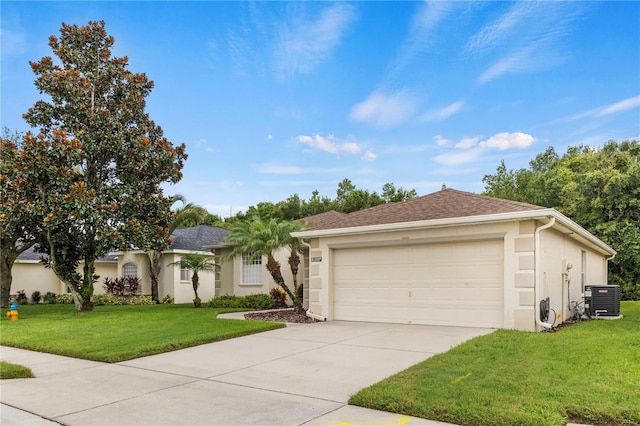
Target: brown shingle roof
{"points": [[323, 219], [448, 203]]}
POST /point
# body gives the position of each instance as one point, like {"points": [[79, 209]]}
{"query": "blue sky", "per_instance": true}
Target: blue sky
{"points": [[277, 98]]}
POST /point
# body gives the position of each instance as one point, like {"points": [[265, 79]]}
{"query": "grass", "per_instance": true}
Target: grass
{"points": [[588, 372], [118, 333], [14, 371]]}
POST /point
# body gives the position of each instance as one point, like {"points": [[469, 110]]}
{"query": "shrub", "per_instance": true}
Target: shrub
{"points": [[168, 299], [226, 301], [279, 296], [64, 298], [122, 286], [252, 301], [109, 299], [36, 297], [145, 300], [49, 298], [259, 301], [21, 297]]}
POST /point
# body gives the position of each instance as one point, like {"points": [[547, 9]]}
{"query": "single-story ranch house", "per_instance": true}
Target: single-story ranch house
{"points": [[451, 258], [447, 258], [30, 275]]}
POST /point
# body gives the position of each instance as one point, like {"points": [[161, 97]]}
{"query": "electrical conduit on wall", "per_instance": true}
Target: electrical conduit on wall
{"points": [[538, 273]]}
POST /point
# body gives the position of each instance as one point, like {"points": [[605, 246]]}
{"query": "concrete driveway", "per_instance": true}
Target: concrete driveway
{"points": [[299, 375]]}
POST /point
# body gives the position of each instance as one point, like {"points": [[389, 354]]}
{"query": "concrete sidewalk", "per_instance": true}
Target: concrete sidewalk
{"points": [[299, 375]]}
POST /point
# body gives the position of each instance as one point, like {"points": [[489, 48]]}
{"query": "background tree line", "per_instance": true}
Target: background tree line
{"points": [[598, 188]]}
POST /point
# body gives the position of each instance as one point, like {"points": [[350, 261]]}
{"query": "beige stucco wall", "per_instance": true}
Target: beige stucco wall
{"points": [[182, 291], [141, 260], [519, 296], [230, 280], [225, 279], [31, 276], [563, 285]]}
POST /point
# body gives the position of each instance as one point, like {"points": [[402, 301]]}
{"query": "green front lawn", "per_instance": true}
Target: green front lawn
{"points": [[587, 372], [118, 333]]}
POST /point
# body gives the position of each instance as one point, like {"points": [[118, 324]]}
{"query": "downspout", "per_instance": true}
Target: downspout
{"points": [[316, 316], [538, 277]]}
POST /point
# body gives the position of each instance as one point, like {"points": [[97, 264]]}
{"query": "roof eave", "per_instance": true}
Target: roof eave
{"points": [[537, 214]]}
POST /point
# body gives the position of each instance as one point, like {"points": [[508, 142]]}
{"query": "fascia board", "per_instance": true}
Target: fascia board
{"points": [[422, 224], [540, 215], [585, 235]]}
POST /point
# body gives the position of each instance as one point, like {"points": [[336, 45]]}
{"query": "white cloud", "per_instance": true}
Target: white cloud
{"points": [[369, 156], [425, 21], [514, 62], [443, 113], [330, 144], [527, 38], [621, 106], [440, 141], [303, 44], [467, 143], [470, 149], [385, 110], [210, 149], [269, 137], [506, 140]]}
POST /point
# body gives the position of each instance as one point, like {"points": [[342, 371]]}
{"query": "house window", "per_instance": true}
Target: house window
{"points": [[251, 269], [130, 270], [185, 274]]}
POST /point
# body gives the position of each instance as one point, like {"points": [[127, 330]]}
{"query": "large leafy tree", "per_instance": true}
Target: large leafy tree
{"points": [[264, 238], [597, 188], [196, 263], [99, 161], [16, 220]]}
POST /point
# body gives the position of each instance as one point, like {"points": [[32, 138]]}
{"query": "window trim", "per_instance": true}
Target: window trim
{"points": [[251, 271], [130, 265]]}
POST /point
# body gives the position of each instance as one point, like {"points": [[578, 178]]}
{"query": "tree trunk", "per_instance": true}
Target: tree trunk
{"points": [[6, 262], [9, 252], [273, 266], [294, 264], [154, 272], [195, 283]]}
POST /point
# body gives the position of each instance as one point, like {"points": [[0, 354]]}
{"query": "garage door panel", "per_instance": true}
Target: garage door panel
{"points": [[445, 284]]}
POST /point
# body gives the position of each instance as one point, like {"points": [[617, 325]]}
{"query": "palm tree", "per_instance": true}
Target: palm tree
{"points": [[262, 238], [188, 214], [195, 262]]}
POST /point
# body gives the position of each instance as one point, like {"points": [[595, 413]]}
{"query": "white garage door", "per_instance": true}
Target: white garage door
{"points": [[458, 284]]}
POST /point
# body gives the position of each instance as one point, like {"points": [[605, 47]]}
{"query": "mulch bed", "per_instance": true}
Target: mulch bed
{"points": [[288, 315]]}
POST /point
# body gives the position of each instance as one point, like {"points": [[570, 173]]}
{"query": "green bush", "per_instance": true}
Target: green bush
{"points": [[112, 299], [226, 301], [279, 296], [252, 301], [260, 301], [168, 299], [49, 298], [145, 300], [21, 297], [36, 297], [109, 299], [64, 298]]}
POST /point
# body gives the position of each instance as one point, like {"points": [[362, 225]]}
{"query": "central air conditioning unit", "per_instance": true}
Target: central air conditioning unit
{"points": [[602, 300]]}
